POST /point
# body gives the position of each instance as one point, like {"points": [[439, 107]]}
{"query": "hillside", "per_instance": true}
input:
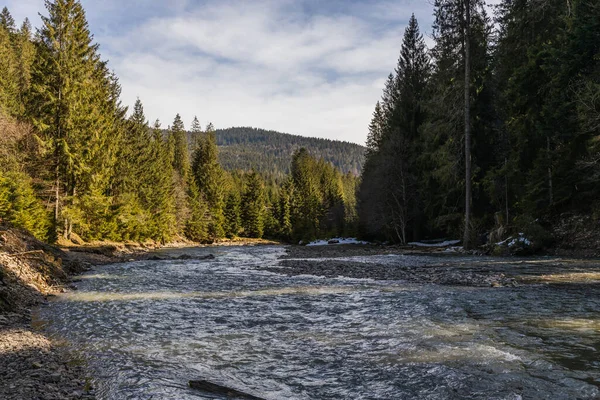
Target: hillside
{"points": [[270, 152]]}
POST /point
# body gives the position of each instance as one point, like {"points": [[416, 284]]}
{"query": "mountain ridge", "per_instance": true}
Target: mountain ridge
{"points": [[270, 152]]}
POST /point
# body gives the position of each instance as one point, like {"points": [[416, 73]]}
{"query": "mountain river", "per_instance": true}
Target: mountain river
{"points": [[146, 328]]}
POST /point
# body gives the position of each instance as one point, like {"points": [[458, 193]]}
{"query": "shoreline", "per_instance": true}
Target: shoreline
{"points": [[35, 365]]}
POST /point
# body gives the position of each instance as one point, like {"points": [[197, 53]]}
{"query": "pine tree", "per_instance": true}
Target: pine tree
{"points": [[181, 155], [7, 21], [9, 89], [444, 131], [196, 133], [253, 206], [210, 178], [375, 131], [73, 106], [232, 212], [388, 201], [162, 202], [25, 54]]}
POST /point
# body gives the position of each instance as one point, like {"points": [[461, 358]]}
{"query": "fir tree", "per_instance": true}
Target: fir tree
{"points": [[253, 206], [71, 103], [209, 176], [181, 155], [7, 21], [232, 212]]}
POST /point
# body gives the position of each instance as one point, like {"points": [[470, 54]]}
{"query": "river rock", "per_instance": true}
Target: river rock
{"points": [[53, 378], [214, 388]]}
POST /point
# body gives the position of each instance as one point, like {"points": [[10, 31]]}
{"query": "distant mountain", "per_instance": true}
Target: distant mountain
{"points": [[270, 152]]}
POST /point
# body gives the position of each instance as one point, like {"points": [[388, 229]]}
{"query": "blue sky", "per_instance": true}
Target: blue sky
{"points": [[308, 67]]}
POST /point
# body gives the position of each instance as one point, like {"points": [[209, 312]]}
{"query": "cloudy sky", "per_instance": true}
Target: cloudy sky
{"points": [[307, 67]]}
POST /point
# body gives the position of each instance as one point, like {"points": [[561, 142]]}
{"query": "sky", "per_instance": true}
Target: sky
{"points": [[306, 67]]}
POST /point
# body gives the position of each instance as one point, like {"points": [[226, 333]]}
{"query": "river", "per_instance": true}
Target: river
{"points": [[146, 328]]}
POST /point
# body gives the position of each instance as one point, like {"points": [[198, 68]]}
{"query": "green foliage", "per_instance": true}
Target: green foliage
{"points": [[270, 153], [253, 206], [20, 206], [233, 218], [211, 180], [317, 205], [389, 197], [534, 107]]}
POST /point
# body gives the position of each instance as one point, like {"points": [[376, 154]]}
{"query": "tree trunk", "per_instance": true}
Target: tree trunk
{"points": [[550, 184], [468, 190]]}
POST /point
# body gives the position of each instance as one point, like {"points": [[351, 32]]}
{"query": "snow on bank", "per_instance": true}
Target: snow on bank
{"points": [[445, 243], [336, 241], [512, 242]]}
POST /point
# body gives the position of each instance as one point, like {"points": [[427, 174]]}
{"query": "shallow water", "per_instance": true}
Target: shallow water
{"points": [[148, 327]]}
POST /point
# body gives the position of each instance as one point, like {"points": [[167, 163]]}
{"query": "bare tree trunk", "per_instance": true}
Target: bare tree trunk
{"points": [[506, 189], [468, 190], [550, 184]]}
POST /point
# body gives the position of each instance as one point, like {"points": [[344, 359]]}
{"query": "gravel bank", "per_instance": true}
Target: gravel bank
{"points": [[434, 266]]}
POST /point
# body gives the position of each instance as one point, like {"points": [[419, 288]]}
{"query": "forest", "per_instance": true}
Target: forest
{"points": [[270, 152], [493, 128], [75, 167]]}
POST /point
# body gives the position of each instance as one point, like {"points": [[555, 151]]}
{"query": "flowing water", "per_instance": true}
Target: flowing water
{"points": [[146, 328]]}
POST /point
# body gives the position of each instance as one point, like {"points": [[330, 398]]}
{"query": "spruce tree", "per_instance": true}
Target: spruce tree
{"points": [[7, 21], [232, 212], [181, 155], [9, 82], [389, 202], [210, 178], [71, 103], [253, 206]]}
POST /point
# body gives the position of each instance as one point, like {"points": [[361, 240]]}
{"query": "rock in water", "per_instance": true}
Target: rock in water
{"points": [[214, 388]]}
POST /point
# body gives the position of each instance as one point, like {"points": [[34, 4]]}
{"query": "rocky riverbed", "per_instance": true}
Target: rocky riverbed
{"points": [[32, 366], [434, 266]]}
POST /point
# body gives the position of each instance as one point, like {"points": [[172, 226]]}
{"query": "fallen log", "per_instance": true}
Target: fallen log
{"points": [[214, 388]]}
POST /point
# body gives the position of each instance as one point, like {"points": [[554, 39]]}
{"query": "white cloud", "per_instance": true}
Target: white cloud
{"points": [[264, 63]]}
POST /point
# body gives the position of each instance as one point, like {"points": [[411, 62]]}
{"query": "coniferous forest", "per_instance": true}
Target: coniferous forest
{"points": [[75, 166], [495, 126]]}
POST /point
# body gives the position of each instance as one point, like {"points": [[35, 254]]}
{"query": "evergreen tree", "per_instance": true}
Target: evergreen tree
{"points": [[233, 221], [73, 106], [196, 133], [25, 54], [253, 206], [210, 178], [7, 21], [389, 202], [9, 88], [181, 154]]}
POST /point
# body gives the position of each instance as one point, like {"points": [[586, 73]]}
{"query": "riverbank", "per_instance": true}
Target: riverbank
{"points": [[434, 266], [33, 365]]}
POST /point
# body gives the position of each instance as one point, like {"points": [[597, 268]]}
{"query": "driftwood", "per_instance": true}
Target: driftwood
{"points": [[222, 390]]}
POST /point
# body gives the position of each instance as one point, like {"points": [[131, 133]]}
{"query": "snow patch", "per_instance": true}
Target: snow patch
{"points": [[512, 242], [335, 241]]}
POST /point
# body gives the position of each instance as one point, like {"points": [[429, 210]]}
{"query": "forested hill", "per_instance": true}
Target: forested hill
{"points": [[270, 152]]}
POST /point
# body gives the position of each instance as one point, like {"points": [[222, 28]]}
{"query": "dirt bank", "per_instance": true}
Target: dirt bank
{"points": [[33, 366]]}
